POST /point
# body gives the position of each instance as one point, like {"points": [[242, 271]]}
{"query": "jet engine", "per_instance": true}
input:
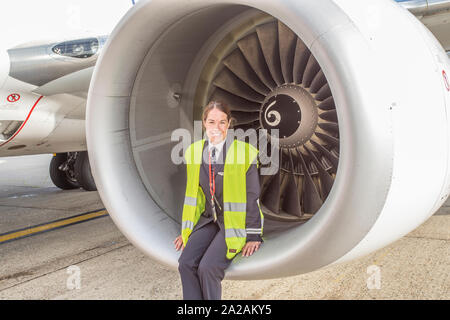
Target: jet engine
{"points": [[358, 91]]}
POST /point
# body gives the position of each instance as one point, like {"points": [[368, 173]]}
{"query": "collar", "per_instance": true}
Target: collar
{"points": [[217, 146]]}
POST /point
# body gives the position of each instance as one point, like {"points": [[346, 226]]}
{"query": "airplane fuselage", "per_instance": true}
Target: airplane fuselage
{"points": [[44, 84]]}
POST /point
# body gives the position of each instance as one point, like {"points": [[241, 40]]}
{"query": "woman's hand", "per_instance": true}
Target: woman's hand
{"points": [[250, 248], [178, 242]]}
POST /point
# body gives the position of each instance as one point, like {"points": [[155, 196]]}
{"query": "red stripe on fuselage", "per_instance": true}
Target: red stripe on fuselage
{"points": [[23, 124]]}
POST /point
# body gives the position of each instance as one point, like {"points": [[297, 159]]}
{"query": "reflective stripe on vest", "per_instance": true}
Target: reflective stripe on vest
{"points": [[239, 157], [187, 224], [233, 206], [253, 231], [190, 201], [235, 233]]}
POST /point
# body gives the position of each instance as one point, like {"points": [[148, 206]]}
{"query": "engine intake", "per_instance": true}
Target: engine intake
{"points": [[356, 96]]}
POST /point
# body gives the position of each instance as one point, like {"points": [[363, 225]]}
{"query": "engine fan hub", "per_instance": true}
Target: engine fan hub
{"points": [[293, 111]]}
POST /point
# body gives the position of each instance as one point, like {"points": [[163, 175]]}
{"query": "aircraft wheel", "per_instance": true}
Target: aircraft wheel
{"points": [[83, 172], [63, 179]]}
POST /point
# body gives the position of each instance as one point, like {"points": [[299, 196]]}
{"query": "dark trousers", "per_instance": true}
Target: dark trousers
{"points": [[203, 262]]}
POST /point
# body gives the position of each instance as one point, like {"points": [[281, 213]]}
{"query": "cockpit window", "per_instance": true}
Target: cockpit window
{"points": [[83, 48]]}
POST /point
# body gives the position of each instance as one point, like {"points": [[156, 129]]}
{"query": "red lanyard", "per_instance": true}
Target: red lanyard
{"points": [[212, 181]]}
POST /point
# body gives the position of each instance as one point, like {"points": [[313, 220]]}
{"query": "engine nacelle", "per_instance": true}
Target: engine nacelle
{"points": [[369, 166]]}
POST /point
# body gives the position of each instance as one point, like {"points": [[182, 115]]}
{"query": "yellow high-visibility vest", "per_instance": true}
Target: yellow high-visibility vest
{"points": [[238, 159]]}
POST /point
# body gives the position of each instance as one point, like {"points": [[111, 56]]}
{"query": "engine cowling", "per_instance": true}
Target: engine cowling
{"points": [[366, 163]]}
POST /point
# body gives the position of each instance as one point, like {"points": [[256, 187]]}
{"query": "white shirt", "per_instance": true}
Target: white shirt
{"points": [[218, 146]]}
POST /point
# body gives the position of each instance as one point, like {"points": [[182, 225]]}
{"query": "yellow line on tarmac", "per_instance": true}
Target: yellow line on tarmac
{"points": [[51, 225]]}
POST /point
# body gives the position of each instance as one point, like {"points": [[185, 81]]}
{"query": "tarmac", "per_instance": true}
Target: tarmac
{"points": [[91, 259]]}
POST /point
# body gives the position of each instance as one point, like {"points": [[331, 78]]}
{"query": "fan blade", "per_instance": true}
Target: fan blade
{"points": [[251, 50], [291, 200], [327, 104], [326, 181], [271, 195], [330, 115], [254, 125], [234, 102], [287, 41], [264, 180], [244, 117], [328, 139], [266, 153], [268, 35], [310, 196], [335, 151], [323, 93], [318, 82], [327, 154], [237, 64], [331, 127], [227, 81], [300, 60], [312, 68]]}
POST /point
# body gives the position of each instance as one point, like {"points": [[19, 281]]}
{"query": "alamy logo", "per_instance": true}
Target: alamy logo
{"points": [[374, 280], [266, 141], [73, 282]]}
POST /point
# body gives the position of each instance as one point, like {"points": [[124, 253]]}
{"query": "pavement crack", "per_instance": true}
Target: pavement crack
{"points": [[16, 275]]}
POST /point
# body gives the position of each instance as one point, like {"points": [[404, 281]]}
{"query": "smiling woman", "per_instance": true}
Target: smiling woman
{"points": [[216, 119], [217, 235]]}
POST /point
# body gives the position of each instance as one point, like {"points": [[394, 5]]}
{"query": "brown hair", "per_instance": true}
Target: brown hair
{"points": [[222, 106]]}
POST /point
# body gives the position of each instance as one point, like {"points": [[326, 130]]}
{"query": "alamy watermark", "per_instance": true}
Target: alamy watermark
{"points": [[267, 142], [73, 282], [374, 279]]}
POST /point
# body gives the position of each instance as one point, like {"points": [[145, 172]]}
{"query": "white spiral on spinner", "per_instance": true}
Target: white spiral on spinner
{"points": [[274, 113]]}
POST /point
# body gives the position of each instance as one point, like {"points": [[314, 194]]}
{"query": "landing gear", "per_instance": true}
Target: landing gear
{"points": [[83, 172], [71, 170], [62, 171]]}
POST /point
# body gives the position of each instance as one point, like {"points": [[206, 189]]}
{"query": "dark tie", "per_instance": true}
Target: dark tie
{"points": [[213, 156], [213, 169]]}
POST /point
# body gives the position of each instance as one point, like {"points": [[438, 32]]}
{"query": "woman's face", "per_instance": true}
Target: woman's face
{"points": [[216, 125]]}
